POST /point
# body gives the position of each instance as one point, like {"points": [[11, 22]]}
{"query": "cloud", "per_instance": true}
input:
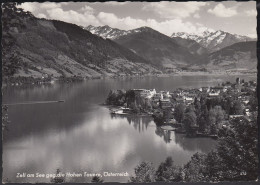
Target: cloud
{"points": [[86, 15], [166, 27], [121, 23], [197, 16], [221, 11], [41, 15], [252, 35], [49, 5], [251, 13], [171, 10], [28, 6], [114, 3], [64, 3], [72, 16], [34, 7], [88, 9]]}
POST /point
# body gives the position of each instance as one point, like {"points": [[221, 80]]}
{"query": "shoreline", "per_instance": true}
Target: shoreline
{"points": [[164, 126], [18, 81], [161, 106]]}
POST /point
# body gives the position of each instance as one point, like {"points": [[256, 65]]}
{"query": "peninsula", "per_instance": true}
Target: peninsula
{"points": [[197, 112]]}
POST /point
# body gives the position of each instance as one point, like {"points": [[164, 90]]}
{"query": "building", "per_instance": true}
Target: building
{"points": [[214, 93], [188, 100], [147, 93], [179, 99], [166, 94], [157, 97], [235, 116], [165, 103], [204, 89], [219, 88]]}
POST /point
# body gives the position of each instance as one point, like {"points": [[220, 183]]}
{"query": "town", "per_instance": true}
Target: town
{"points": [[197, 112]]}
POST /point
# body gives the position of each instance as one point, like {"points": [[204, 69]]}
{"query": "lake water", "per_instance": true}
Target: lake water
{"points": [[80, 135]]}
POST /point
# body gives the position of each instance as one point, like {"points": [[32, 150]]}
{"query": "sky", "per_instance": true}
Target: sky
{"points": [[165, 17]]}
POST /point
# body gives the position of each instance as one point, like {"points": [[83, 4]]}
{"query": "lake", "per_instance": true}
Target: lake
{"points": [[80, 135]]}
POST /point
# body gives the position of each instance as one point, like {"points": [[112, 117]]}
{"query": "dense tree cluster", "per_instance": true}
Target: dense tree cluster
{"points": [[96, 179], [179, 112], [131, 99], [30, 45], [116, 97], [207, 114], [144, 172], [168, 172], [12, 22], [189, 121], [235, 159]]}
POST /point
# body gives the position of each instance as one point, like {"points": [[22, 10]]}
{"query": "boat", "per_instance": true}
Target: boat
{"points": [[168, 127], [121, 110]]}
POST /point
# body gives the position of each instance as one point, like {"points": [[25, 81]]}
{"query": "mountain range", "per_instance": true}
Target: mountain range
{"points": [[188, 49], [214, 40], [34, 47], [237, 56], [107, 32], [157, 48], [209, 39], [154, 46]]}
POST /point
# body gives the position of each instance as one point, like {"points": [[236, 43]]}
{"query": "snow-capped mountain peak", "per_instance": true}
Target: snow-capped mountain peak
{"points": [[213, 40], [114, 33], [106, 31]]}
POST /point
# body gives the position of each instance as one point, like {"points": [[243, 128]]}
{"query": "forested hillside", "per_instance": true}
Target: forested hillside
{"points": [[41, 48]]}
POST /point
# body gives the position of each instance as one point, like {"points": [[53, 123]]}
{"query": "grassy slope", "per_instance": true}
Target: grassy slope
{"points": [[57, 49], [240, 55]]}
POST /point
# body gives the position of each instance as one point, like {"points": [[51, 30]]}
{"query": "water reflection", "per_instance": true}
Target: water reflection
{"points": [[165, 134], [191, 144], [140, 123], [80, 135]]}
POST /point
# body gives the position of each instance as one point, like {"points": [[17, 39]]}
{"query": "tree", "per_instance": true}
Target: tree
{"points": [[147, 104], [58, 178], [253, 103], [97, 179], [168, 172], [236, 108], [179, 112], [190, 123], [216, 115], [226, 104], [167, 114], [237, 150], [203, 119], [213, 167], [116, 97], [219, 114], [197, 106], [195, 169], [133, 100], [190, 108], [12, 19], [144, 172], [213, 129]]}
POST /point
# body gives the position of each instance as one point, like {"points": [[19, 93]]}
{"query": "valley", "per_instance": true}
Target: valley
{"points": [[40, 50]]}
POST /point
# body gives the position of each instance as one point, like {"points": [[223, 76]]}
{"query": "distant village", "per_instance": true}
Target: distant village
{"points": [[196, 112]]}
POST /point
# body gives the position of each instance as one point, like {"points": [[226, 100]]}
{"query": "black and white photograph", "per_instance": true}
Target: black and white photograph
{"points": [[129, 92]]}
